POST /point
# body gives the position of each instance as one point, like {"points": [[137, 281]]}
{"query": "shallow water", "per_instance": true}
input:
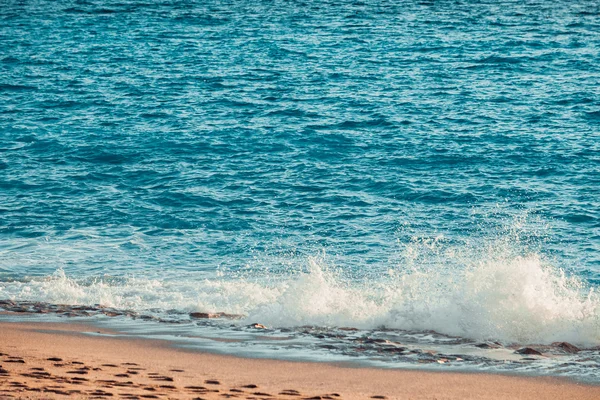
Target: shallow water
{"points": [[387, 166]]}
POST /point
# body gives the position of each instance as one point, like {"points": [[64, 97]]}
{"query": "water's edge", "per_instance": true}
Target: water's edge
{"points": [[347, 346]]}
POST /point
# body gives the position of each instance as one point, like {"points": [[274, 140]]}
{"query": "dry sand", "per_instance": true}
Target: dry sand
{"points": [[43, 360]]}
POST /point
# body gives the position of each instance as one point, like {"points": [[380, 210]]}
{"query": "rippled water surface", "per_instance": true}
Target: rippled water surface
{"points": [[413, 166]]}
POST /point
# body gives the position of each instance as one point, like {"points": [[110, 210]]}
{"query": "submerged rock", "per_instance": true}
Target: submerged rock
{"points": [[257, 326], [112, 314], [204, 315], [567, 347], [348, 329], [392, 349], [488, 345], [528, 350]]}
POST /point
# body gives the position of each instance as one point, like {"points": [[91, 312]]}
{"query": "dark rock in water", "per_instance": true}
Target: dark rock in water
{"points": [[488, 345], [257, 326], [528, 350], [567, 347], [203, 315], [392, 349], [111, 314], [328, 346], [347, 329]]}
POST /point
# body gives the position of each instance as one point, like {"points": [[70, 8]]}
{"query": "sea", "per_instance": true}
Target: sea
{"points": [[393, 184]]}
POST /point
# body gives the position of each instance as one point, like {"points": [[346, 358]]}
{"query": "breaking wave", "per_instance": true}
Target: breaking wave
{"points": [[485, 291]]}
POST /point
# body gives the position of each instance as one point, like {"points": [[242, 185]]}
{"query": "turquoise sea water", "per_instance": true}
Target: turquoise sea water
{"points": [[400, 167]]}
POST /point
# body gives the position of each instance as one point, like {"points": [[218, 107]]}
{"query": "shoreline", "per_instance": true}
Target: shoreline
{"points": [[185, 373]]}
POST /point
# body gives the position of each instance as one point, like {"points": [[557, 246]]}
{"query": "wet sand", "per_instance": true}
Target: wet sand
{"points": [[49, 360]]}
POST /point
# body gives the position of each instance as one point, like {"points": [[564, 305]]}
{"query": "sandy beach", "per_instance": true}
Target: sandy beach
{"points": [[49, 360]]}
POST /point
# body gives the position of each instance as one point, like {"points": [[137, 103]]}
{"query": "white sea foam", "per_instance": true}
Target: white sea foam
{"points": [[490, 293], [518, 300]]}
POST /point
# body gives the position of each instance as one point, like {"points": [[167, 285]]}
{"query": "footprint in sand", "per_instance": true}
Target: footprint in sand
{"points": [[101, 393], [201, 389], [289, 392], [78, 371], [57, 391], [107, 382], [168, 387], [38, 374], [162, 378], [124, 384]]}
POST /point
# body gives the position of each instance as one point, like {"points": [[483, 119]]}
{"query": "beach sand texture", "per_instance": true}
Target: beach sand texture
{"points": [[49, 360]]}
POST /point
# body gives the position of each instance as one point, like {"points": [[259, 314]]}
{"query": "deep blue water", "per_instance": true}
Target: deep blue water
{"points": [[416, 165]]}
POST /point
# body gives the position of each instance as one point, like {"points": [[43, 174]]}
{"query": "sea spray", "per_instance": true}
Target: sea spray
{"points": [[490, 294]]}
